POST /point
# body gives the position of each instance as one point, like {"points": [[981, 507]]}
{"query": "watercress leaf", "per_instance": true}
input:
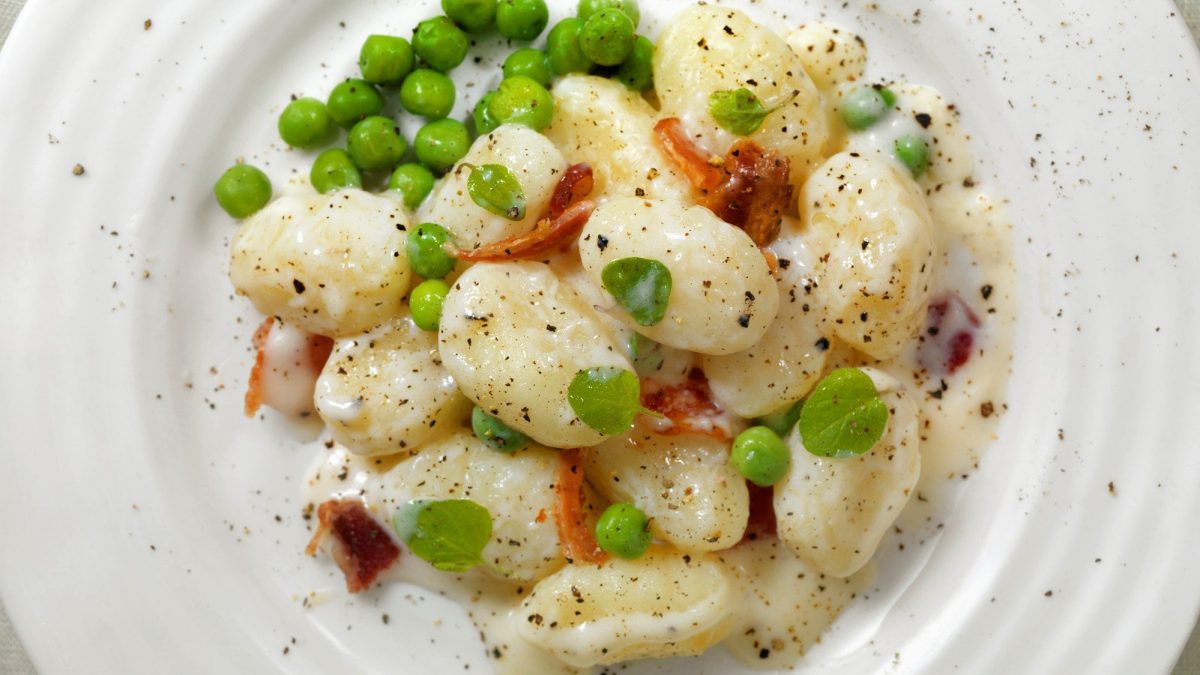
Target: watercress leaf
{"points": [[641, 285], [843, 416], [647, 355], [605, 398], [781, 421], [739, 111], [448, 534], [495, 188]]}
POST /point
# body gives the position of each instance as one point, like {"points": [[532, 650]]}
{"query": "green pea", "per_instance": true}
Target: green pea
{"points": [[607, 37], [375, 144], [637, 72], [441, 143], [484, 122], [440, 43], [427, 93], [304, 123], [385, 59], [414, 182], [426, 301], [521, 19], [562, 48], [865, 106], [242, 190], [623, 531], [520, 100], [475, 16], [913, 151], [531, 63], [760, 456], [351, 101], [427, 254], [589, 7], [334, 170], [496, 434]]}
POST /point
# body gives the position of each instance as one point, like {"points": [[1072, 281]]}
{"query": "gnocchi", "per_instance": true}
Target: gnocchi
{"points": [[332, 265], [722, 299], [833, 511], [695, 499], [830, 55], [665, 603], [869, 229], [534, 161], [709, 48], [514, 336], [386, 391]]}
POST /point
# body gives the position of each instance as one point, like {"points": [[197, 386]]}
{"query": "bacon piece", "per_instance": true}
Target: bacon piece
{"points": [[318, 350], [689, 406], [361, 547], [951, 327], [576, 183], [703, 169], [574, 534], [762, 512], [546, 235], [749, 188]]}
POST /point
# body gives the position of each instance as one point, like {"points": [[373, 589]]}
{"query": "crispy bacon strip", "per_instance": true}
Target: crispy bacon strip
{"points": [[576, 183], [703, 169], [689, 406], [749, 188], [319, 349], [567, 215], [546, 235], [576, 537], [762, 512], [361, 547]]}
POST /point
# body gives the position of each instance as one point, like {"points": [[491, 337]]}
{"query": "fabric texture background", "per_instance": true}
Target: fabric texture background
{"points": [[14, 661]]}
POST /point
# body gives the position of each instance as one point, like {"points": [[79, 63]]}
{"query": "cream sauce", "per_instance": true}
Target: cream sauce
{"points": [[288, 375]]}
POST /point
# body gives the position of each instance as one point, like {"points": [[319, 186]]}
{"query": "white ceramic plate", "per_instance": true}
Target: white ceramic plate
{"points": [[147, 526]]}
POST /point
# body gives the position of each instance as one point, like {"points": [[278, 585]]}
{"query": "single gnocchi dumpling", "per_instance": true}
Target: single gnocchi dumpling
{"points": [[605, 124], [786, 363], [387, 391], [332, 264], [686, 485], [707, 49], [666, 603], [833, 511], [869, 229], [722, 299], [517, 489], [514, 336], [532, 159], [831, 55]]}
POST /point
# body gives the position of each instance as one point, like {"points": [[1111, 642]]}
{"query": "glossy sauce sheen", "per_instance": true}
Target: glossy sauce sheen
{"points": [[778, 605]]}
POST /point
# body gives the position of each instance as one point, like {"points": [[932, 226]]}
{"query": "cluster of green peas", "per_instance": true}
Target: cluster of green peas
{"points": [[865, 106], [601, 38]]}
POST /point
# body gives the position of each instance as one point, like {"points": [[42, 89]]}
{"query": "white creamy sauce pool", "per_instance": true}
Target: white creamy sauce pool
{"points": [[785, 605]]}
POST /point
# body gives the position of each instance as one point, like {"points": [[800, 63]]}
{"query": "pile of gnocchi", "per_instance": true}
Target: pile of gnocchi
{"points": [[662, 388]]}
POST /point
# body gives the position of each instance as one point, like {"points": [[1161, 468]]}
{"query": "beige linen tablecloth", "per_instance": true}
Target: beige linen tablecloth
{"points": [[14, 661]]}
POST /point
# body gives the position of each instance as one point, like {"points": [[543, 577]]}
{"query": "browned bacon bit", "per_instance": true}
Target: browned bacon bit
{"points": [[755, 193], [575, 184], [762, 512], [574, 535], [772, 261], [319, 349], [545, 236], [361, 547], [950, 329], [703, 169], [749, 188], [688, 406]]}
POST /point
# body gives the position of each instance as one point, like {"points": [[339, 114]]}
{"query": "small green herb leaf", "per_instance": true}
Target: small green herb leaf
{"points": [[495, 188], [647, 355], [739, 111], [605, 398], [448, 534], [641, 285], [843, 416], [781, 421]]}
